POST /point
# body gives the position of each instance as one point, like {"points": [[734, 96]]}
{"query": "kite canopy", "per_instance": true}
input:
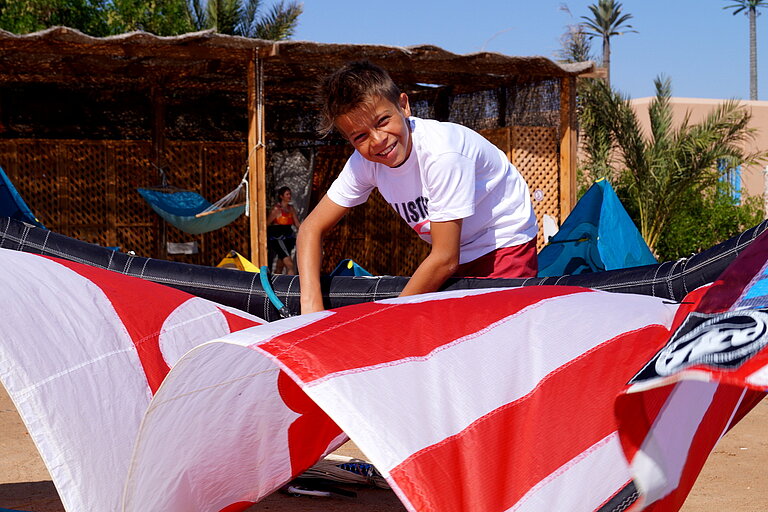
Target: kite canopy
{"points": [[237, 261], [199, 407], [598, 235]]}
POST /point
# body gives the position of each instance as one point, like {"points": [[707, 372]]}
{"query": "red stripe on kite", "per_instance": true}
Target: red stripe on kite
{"points": [[312, 352], [712, 425], [142, 306], [240, 506], [236, 322], [531, 438], [310, 434]]}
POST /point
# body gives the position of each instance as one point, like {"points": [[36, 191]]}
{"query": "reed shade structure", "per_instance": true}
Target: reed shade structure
{"points": [[86, 121]]}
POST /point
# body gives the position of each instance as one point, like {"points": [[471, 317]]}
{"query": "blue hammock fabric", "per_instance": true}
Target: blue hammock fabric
{"points": [[181, 208], [598, 235], [11, 203]]}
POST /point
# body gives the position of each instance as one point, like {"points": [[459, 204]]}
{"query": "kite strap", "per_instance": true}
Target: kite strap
{"points": [[264, 277]]}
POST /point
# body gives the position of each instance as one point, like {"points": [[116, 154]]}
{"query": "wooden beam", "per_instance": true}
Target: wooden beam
{"points": [[144, 49], [568, 147], [257, 162], [596, 73]]}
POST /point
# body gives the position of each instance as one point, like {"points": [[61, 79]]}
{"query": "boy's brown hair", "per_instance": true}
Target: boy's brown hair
{"points": [[349, 87]]}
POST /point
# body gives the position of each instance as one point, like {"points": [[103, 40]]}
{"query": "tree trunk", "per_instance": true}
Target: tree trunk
{"points": [[607, 59], [752, 53]]}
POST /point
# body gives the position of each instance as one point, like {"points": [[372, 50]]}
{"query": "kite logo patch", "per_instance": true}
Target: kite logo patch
{"points": [[722, 340]]}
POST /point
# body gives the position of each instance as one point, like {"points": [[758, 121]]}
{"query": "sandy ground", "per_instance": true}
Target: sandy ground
{"points": [[732, 480]]}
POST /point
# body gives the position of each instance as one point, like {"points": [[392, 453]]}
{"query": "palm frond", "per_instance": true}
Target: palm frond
{"points": [[606, 19], [280, 23], [670, 161], [660, 112], [224, 15], [745, 5], [249, 19]]}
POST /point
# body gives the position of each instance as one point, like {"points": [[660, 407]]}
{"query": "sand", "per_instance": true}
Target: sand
{"points": [[732, 479]]}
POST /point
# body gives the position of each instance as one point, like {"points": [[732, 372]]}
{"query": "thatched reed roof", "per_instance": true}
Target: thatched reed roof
{"points": [[212, 61]]}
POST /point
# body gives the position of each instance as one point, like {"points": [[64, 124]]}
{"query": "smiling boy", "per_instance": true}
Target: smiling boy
{"points": [[451, 185]]}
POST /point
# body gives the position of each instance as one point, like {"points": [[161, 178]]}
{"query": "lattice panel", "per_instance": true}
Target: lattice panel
{"points": [[184, 164], [533, 150], [142, 240], [35, 175], [329, 161], [501, 138], [224, 165], [87, 190], [534, 153], [8, 160], [90, 187], [136, 223], [183, 168], [133, 170]]}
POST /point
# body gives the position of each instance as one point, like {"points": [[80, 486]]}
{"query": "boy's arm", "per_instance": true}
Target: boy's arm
{"points": [[442, 261], [309, 251]]}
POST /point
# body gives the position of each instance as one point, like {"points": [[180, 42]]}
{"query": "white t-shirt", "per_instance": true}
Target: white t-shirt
{"points": [[451, 173]]}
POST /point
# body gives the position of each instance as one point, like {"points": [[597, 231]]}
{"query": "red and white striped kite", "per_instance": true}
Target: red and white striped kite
{"points": [[538, 398]]}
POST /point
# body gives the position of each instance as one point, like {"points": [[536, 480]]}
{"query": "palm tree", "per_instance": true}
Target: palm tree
{"points": [[750, 6], [235, 18], [672, 161], [607, 21]]}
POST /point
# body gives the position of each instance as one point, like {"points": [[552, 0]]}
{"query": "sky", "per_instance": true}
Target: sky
{"points": [[701, 47]]}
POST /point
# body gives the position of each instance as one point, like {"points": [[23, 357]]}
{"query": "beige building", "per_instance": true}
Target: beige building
{"points": [[753, 178]]}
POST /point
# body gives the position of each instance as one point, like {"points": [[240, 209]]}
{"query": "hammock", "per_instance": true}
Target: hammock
{"points": [[192, 213]]}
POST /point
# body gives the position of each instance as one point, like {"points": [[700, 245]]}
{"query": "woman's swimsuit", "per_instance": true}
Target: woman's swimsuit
{"points": [[280, 236]]}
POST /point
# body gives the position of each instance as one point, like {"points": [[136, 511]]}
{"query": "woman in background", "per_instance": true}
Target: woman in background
{"points": [[281, 238]]}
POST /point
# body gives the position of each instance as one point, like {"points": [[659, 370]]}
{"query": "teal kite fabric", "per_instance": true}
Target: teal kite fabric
{"points": [[598, 235], [11, 203], [348, 267], [180, 209]]}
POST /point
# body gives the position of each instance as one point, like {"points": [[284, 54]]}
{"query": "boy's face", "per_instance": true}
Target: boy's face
{"points": [[379, 130]]}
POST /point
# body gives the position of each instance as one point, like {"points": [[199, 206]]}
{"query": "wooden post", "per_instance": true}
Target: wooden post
{"points": [[568, 147], [257, 162]]}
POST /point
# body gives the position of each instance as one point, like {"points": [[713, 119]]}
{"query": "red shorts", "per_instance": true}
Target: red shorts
{"points": [[508, 262]]}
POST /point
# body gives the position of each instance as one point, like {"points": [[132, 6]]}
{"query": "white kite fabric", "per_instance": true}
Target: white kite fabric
{"points": [[144, 398]]}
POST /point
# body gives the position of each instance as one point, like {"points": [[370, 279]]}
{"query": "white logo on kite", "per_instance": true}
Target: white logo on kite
{"points": [[723, 340]]}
